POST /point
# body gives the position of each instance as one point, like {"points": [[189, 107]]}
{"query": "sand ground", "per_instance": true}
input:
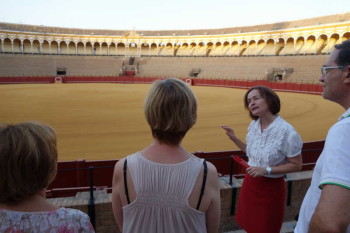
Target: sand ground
{"points": [[106, 121]]}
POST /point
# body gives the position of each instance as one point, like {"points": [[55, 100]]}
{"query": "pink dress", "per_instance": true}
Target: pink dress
{"points": [[58, 221]]}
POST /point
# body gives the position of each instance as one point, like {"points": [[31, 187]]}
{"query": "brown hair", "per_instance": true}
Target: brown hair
{"points": [[28, 160], [343, 58], [170, 110], [271, 98]]}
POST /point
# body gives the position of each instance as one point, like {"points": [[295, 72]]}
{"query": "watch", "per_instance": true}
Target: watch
{"points": [[268, 170]]}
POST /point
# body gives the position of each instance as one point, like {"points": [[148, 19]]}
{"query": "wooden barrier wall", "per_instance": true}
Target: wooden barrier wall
{"points": [[79, 175], [26, 79], [279, 86]]}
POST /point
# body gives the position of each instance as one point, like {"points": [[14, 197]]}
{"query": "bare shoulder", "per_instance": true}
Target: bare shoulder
{"points": [[211, 168], [119, 165], [212, 174], [118, 170]]}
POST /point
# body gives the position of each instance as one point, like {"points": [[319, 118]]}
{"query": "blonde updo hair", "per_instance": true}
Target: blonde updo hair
{"points": [[170, 110], [28, 160]]}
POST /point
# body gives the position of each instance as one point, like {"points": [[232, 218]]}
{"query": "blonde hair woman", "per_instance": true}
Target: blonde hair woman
{"points": [[164, 188]]}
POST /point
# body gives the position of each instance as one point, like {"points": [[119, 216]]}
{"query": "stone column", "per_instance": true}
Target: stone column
{"points": [[84, 47], [22, 47], [12, 49], [31, 46]]}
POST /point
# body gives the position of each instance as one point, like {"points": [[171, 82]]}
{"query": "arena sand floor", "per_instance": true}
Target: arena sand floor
{"points": [[106, 121]]}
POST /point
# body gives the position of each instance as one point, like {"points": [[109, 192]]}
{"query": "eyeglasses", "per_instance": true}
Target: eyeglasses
{"points": [[324, 70]]}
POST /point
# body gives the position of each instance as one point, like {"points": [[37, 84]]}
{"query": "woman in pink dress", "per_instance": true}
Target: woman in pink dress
{"points": [[28, 164]]}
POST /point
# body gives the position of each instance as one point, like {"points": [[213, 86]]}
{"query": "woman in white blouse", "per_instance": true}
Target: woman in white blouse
{"points": [[273, 148]]}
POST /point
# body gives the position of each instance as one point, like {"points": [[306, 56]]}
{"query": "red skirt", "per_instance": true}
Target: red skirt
{"points": [[261, 204]]}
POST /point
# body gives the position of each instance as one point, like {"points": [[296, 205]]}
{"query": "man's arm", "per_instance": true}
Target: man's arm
{"points": [[332, 214]]}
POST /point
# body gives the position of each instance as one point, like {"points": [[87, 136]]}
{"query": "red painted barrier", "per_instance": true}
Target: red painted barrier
{"points": [[26, 79], [314, 88], [280, 86], [222, 160], [74, 176], [89, 79]]}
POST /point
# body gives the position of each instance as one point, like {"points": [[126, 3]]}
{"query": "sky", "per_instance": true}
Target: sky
{"points": [[163, 14]]}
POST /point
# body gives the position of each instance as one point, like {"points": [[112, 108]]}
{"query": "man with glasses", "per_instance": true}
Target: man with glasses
{"points": [[326, 206]]}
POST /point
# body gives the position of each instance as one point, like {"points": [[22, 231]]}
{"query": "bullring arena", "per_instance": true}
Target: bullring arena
{"points": [[90, 85], [106, 121]]}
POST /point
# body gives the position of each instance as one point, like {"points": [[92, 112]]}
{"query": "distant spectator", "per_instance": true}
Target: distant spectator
{"points": [[273, 148], [158, 189], [28, 164]]}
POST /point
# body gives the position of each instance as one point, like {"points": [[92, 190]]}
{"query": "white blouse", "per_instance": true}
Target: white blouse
{"points": [[272, 146]]}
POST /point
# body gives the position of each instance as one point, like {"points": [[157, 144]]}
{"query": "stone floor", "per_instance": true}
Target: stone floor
{"points": [[287, 227]]}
